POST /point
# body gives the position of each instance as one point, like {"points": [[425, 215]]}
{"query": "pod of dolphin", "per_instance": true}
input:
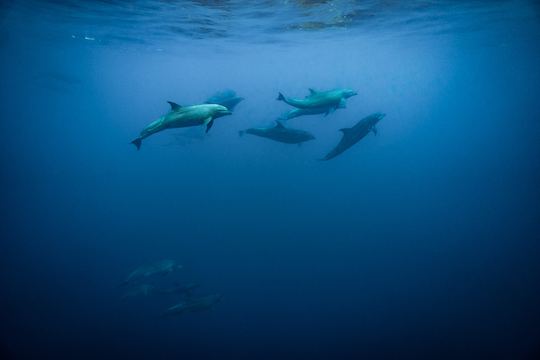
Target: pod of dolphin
{"points": [[140, 282], [223, 103]]}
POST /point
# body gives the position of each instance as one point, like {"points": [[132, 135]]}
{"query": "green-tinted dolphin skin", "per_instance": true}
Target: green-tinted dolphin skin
{"points": [[280, 133], [354, 134], [329, 100], [226, 98], [183, 116], [193, 305], [313, 111], [142, 273]]}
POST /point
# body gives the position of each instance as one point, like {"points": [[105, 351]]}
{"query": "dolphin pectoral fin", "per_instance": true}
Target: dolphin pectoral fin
{"points": [[209, 125], [342, 104], [137, 142], [279, 125], [374, 129]]}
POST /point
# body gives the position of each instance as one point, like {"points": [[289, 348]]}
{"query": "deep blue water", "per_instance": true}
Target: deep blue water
{"points": [[422, 242]]}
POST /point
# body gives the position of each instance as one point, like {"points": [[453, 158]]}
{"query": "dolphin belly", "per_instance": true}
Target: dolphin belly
{"points": [[184, 122], [308, 103]]}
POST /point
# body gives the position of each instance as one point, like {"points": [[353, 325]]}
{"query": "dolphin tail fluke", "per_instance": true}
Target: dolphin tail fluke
{"points": [[280, 97], [137, 142], [241, 133]]}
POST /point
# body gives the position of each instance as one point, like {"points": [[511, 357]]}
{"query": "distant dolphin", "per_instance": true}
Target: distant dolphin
{"points": [[193, 305], [280, 133], [142, 273], [181, 289], [291, 114], [354, 134], [226, 98], [179, 117], [142, 289], [329, 100]]}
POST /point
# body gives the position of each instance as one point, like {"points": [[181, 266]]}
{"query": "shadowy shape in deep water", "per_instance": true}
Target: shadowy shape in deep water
{"points": [[225, 98], [193, 305], [354, 134], [149, 289], [61, 77], [144, 272], [137, 290], [329, 100], [185, 116], [187, 136], [280, 133], [181, 289], [56, 81]]}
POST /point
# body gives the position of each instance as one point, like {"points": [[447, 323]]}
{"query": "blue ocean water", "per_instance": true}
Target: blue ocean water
{"points": [[420, 242]]}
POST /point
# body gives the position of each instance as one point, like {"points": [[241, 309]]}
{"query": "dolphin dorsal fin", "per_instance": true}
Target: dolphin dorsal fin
{"points": [[312, 91], [279, 125], [174, 106]]}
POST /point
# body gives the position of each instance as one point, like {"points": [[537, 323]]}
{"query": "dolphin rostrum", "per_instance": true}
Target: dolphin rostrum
{"points": [[280, 133], [354, 134], [183, 116], [329, 100]]}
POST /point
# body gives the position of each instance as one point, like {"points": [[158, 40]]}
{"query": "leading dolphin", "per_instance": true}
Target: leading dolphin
{"points": [[183, 116], [280, 133], [329, 100], [354, 134]]}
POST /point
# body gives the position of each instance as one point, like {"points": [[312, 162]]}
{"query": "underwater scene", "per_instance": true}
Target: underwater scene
{"points": [[270, 179]]}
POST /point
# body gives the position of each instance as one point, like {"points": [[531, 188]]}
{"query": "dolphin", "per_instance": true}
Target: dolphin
{"points": [[144, 272], [193, 305], [226, 98], [280, 133], [183, 116], [329, 100], [291, 114], [354, 134]]}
